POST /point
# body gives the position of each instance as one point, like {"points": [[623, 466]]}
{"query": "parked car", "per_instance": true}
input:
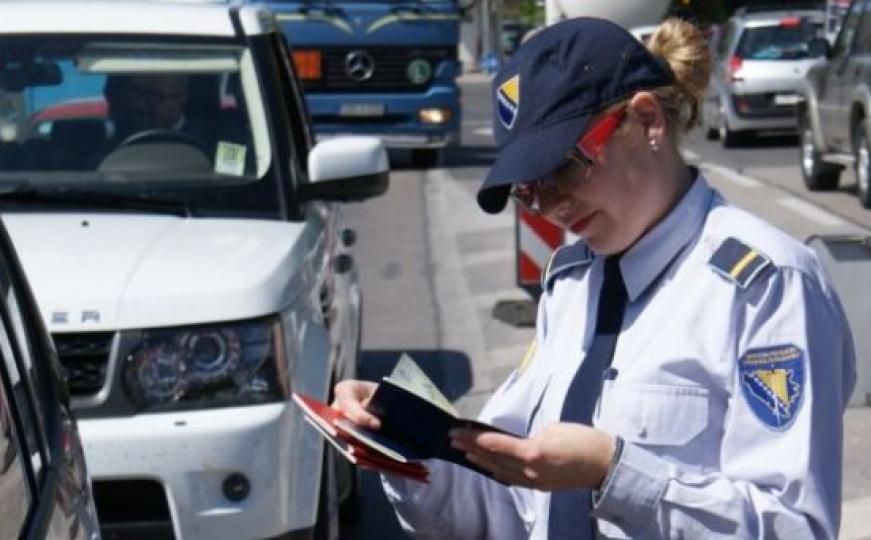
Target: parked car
{"points": [[834, 116], [759, 69], [187, 258], [44, 487]]}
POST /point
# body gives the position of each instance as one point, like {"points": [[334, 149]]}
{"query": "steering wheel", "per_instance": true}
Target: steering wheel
{"points": [[164, 136]]}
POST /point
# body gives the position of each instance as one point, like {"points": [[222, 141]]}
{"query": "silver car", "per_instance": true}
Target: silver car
{"points": [[759, 68]]}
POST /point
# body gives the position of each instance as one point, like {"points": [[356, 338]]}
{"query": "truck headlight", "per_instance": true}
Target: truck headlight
{"points": [[207, 366]]}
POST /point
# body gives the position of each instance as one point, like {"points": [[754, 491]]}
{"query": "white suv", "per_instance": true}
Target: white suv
{"points": [[181, 235]]}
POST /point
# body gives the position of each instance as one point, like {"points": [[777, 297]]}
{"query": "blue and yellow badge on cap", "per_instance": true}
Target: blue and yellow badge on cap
{"points": [[772, 381], [508, 101]]}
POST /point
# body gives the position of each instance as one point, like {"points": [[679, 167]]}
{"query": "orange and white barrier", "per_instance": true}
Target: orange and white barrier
{"points": [[535, 241]]}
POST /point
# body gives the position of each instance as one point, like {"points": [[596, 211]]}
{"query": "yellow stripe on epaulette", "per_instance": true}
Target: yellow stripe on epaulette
{"points": [[738, 262], [527, 358]]}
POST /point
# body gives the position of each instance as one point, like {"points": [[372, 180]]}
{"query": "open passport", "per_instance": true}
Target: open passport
{"points": [[415, 420]]}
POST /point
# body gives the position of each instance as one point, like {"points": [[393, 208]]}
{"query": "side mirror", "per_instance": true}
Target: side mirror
{"points": [[346, 169], [819, 48]]}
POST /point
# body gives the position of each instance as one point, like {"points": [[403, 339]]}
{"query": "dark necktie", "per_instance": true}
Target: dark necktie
{"points": [[569, 516]]}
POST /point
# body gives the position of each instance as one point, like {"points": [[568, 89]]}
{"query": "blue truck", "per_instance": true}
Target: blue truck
{"points": [[386, 68]]}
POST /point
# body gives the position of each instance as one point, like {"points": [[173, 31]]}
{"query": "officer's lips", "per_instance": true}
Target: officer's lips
{"points": [[580, 225]]}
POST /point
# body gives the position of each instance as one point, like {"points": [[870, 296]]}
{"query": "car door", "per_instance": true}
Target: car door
{"points": [[41, 453], [834, 113]]}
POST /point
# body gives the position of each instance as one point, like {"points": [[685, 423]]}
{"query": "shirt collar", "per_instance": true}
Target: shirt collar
{"points": [[645, 260]]}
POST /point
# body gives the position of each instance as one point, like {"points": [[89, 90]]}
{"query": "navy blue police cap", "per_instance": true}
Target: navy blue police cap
{"points": [[545, 96]]}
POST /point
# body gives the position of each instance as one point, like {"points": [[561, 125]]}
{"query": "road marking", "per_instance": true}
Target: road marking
{"points": [[734, 177], [813, 213]]}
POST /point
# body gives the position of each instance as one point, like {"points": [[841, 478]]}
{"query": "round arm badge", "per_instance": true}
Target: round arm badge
{"points": [[773, 382]]}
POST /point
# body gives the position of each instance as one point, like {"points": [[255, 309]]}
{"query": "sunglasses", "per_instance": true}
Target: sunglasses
{"points": [[587, 150]]}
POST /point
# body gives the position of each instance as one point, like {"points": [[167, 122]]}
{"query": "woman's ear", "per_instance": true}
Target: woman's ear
{"points": [[651, 116]]}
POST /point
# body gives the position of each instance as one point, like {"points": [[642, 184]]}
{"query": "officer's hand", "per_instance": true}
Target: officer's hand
{"points": [[352, 397], [561, 456]]}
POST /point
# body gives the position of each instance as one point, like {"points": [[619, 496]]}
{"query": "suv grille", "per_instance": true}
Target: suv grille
{"points": [[390, 67], [84, 358]]}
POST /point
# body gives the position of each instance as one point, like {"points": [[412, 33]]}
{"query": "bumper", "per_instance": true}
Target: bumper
{"points": [[763, 111], [392, 117], [191, 454]]}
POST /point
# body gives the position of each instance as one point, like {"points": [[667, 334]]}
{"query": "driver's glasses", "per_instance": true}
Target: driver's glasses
{"points": [[576, 164]]}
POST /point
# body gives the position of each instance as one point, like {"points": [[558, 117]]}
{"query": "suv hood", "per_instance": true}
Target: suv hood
{"points": [[115, 272]]}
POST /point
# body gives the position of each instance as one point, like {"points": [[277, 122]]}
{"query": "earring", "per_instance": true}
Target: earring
{"points": [[654, 145]]}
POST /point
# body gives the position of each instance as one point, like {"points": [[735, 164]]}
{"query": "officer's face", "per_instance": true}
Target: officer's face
{"points": [[614, 201]]}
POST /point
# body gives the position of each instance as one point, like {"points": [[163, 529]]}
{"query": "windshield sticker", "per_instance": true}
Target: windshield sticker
{"points": [[230, 159]]}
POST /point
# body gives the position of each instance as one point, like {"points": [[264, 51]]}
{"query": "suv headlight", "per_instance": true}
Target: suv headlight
{"points": [[198, 367]]}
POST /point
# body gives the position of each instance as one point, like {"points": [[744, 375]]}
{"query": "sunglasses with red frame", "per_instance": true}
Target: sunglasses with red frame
{"points": [[584, 154]]}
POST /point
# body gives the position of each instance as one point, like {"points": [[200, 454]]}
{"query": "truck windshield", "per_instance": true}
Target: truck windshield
{"points": [[129, 114], [781, 42]]}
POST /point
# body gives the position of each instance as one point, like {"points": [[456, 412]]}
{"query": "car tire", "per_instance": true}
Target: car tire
{"points": [[817, 174], [863, 165], [711, 133]]}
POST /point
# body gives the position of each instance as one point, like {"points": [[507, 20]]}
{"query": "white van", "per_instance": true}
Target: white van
{"points": [[180, 231]]}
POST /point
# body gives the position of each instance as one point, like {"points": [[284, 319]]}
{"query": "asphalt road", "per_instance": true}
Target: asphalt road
{"points": [[433, 267]]}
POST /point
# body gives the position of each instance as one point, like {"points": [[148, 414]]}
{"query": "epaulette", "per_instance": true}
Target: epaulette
{"points": [[565, 258], [738, 262]]}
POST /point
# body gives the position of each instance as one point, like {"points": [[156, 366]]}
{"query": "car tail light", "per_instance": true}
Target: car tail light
{"points": [[308, 64], [735, 63], [790, 22]]}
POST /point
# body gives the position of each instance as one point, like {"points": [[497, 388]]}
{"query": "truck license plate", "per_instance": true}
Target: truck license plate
{"points": [[786, 99], [361, 109]]}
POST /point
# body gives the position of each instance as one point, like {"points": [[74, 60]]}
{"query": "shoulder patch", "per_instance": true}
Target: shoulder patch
{"points": [[738, 262], [565, 258], [772, 382]]}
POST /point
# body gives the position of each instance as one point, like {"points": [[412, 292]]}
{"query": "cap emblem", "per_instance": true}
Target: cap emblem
{"points": [[508, 101]]}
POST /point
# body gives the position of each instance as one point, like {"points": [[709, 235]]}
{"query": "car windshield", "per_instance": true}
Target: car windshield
{"points": [[782, 42], [123, 114]]}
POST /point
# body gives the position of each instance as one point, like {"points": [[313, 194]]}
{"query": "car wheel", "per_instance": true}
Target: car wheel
{"points": [[728, 137], [817, 174], [863, 166]]}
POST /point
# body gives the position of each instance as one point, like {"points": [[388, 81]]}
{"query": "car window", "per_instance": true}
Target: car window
{"points": [[23, 377], [784, 41], [844, 42], [142, 116], [15, 489]]}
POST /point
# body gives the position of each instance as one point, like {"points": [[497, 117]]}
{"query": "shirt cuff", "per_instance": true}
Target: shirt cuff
{"points": [[633, 489]]}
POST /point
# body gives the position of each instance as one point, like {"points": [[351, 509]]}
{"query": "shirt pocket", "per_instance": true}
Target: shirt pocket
{"points": [[653, 414]]}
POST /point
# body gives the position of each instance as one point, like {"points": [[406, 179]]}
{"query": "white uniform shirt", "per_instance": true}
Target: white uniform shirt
{"points": [[718, 443]]}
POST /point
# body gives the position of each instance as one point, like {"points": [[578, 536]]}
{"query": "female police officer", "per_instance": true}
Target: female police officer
{"points": [[706, 347]]}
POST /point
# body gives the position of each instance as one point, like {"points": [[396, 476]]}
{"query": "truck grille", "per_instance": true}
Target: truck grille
{"points": [[390, 67], [84, 358]]}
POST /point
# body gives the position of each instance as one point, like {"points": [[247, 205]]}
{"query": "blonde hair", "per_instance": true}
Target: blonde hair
{"points": [[686, 50]]}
